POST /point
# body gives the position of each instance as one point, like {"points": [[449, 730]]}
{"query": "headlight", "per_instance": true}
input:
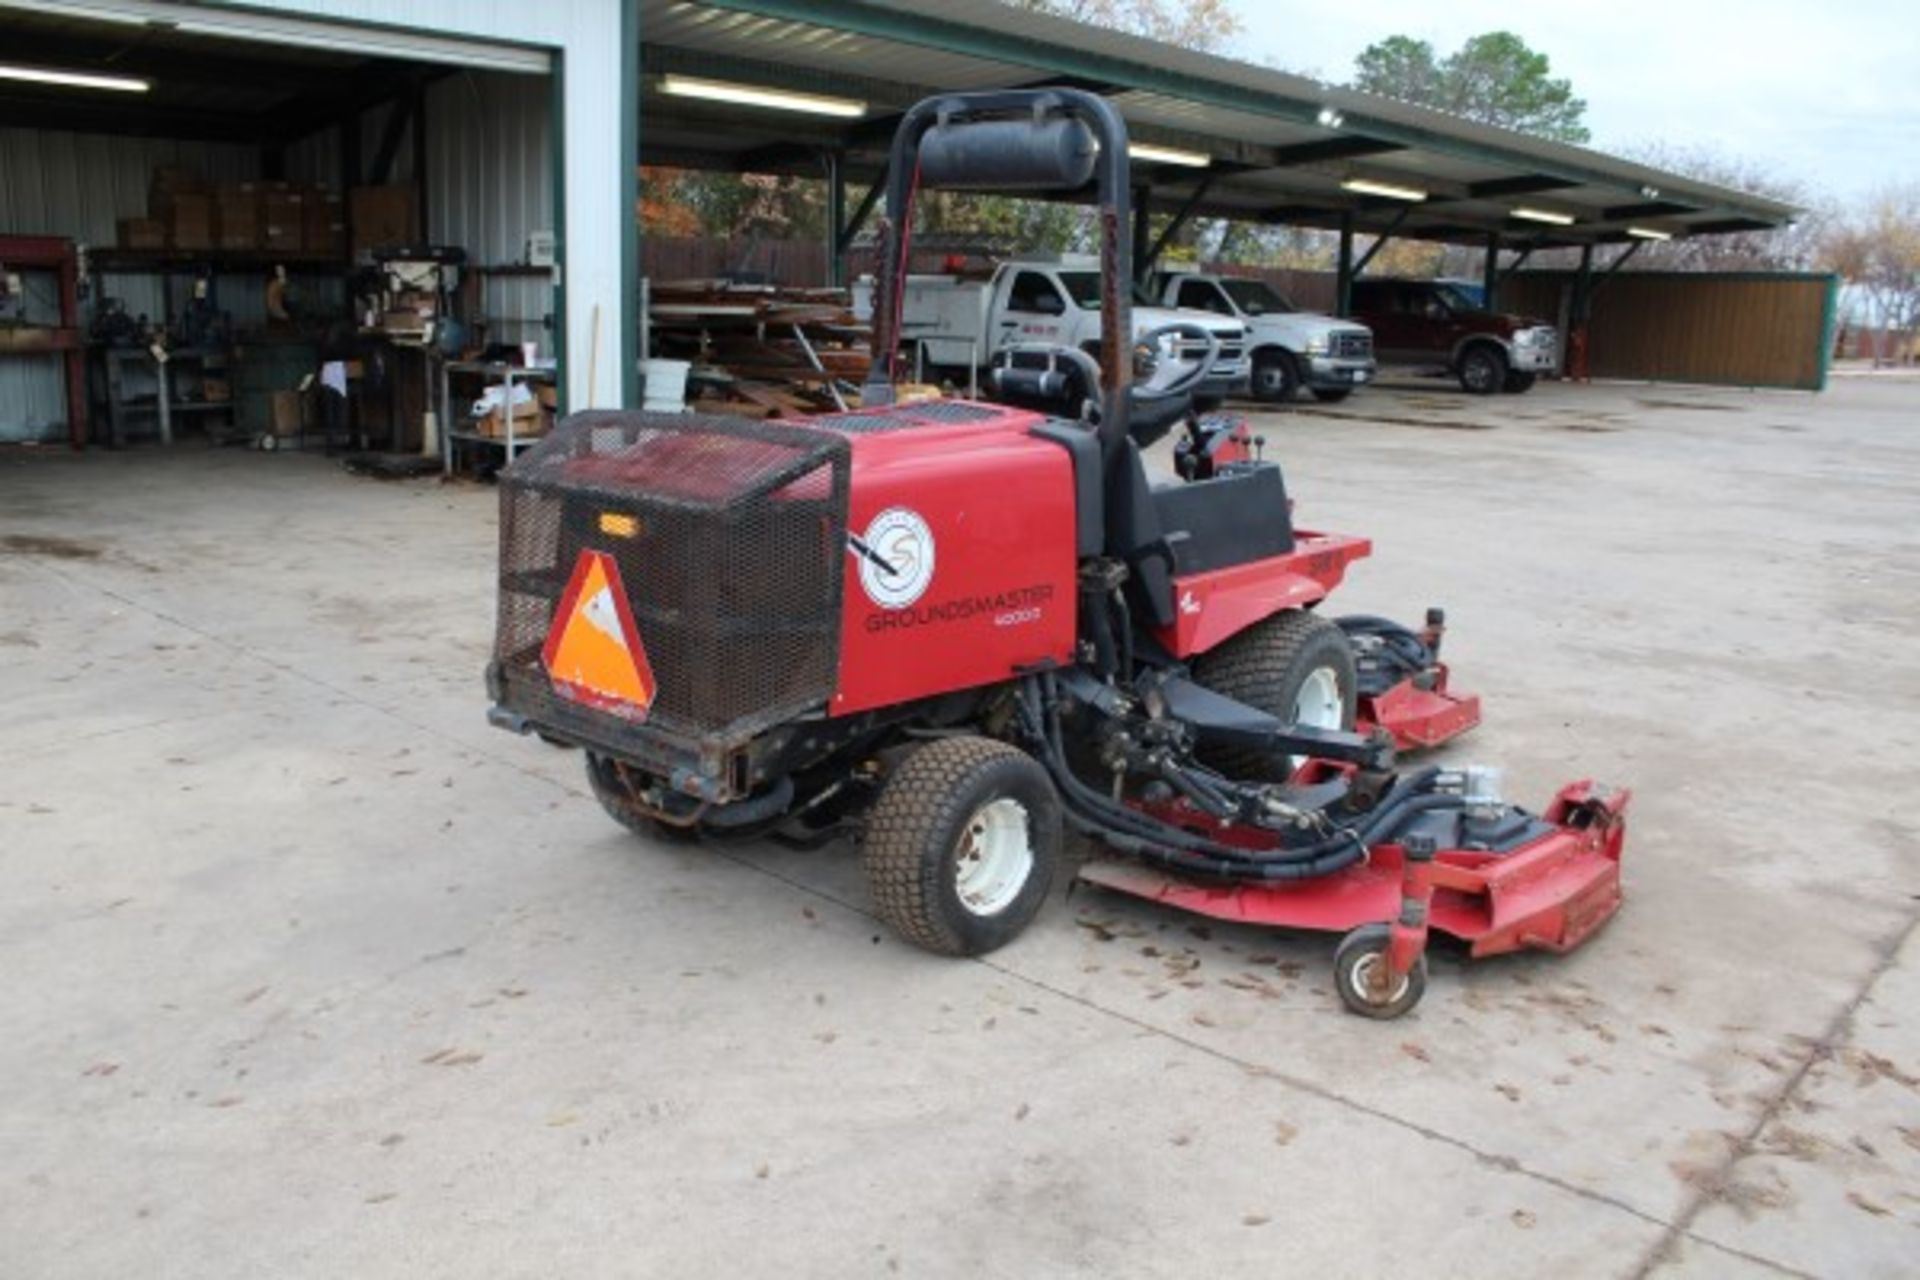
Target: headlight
{"points": [[1318, 346]]}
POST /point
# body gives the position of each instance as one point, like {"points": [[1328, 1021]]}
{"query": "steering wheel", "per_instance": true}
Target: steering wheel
{"points": [[1159, 344]]}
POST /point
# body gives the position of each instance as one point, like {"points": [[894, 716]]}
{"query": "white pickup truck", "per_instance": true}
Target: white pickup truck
{"points": [[1289, 349], [961, 323]]}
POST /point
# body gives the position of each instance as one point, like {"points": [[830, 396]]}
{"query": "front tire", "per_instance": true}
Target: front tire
{"points": [[1355, 962], [1331, 395], [1519, 381], [1297, 667], [961, 845], [1483, 369], [1275, 377]]}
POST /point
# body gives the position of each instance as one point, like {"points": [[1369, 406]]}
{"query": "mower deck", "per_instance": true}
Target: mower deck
{"points": [[1550, 894], [1419, 718]]}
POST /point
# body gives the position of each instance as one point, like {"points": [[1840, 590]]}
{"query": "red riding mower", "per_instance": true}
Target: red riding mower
{"points": [[951, 629]]}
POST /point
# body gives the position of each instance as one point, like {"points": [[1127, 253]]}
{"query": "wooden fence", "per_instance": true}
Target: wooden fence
{"points": [[1750, 329]]}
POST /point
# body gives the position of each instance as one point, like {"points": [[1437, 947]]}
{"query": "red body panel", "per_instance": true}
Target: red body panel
{"points": [[1550, 894], [1419, 718], [1214, 606], [992, 507]]}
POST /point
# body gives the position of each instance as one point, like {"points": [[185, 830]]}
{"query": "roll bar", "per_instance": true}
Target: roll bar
{"points": [[980, 142]]}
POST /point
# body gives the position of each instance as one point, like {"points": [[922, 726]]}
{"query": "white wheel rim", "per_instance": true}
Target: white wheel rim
{"points": [[1319, 705], [1360, 980], [995, 857]]}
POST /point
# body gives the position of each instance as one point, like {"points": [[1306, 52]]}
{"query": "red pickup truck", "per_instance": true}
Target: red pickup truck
{"points": [[1433, 324]]}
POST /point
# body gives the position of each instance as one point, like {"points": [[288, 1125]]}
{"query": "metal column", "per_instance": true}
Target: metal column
{"points": [[836, 217], [1491, 283], [1343, 281]]}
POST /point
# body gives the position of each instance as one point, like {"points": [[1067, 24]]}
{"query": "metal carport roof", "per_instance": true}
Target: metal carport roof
{"points": [[1281, 144]]}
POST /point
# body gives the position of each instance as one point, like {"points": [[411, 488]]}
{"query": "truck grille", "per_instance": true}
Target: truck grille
{"points": [[1350, 344], [730, 540]]}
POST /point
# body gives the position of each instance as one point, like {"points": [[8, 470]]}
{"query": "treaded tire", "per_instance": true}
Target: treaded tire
{"points": [[1265, 667], [1361, 949], [621, 808], [1276, 378], [1519, 381], [915, 833], [1483, 369]]}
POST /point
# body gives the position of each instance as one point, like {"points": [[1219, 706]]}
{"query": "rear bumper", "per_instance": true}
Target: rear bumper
{"points": [[717, 769]]}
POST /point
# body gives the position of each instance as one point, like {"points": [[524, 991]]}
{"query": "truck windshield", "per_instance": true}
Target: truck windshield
{"points": [[1257, 297]]}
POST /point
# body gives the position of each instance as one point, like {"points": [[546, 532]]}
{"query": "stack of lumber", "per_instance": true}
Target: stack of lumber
{"points": [[762, 350]]}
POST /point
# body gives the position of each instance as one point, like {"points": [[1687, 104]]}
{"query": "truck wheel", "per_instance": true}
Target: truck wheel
{"points": [[1331, 395], [1518, 381], [1275, 377], [1355, 961], [1483, 369], [616, 797], [1295, 666], [961, 845]]}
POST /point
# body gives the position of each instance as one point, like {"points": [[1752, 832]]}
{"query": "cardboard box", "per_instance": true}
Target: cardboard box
{"points": [[168, 183], [216, 390], [143, 233], [236, 217], [283, 219], [288, 410], [382, 217], [189, 219], [326, 226]]}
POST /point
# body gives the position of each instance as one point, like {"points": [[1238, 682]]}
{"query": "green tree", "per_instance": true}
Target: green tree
{"points": [[1494, 78], [1206, 25]]}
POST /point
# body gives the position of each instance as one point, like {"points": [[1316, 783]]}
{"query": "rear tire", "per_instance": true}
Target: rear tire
{"points": [[1519, 381], [1273, 666], [1483, 369], [614, 795], [1331, 395], [961, 845], [1275, 377]]}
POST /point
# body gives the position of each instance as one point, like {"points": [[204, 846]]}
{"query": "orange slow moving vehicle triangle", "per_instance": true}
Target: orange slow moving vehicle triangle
{"points": [[593, 653]]}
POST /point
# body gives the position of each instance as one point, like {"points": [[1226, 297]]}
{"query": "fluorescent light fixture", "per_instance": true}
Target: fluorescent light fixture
{"points": [[752, 95], [1168, 155], [1544, 215], [1368, 187], [1648, 233], [74, 79], [1330, 119]]}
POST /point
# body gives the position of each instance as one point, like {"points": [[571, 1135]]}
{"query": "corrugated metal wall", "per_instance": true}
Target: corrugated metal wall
{"points": [[1749, 330], [489, 170], [77, 185]]}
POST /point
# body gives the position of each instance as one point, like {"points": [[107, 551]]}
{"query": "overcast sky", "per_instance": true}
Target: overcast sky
{"points": [[1827, 93]]}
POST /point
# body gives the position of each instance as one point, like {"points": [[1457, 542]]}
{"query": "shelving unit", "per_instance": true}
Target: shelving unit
{"points": [[138, 385], [507, 375]]}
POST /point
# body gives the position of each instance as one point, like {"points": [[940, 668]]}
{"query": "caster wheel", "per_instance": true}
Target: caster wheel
{"points": [[1358, 959]]}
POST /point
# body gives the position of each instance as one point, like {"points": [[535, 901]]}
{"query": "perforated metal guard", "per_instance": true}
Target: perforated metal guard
{"points": [[908, 416], [733, 567]]}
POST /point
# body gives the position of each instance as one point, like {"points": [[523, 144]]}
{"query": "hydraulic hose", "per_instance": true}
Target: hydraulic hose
{"points": [[1153, 840]]}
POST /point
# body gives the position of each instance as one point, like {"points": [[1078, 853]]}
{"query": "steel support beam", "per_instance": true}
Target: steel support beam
{"points": [[1379, 241], [861, 212], [836, 217], [1343, 280], [1600, 282], [1490, 273], [1173, 228]]}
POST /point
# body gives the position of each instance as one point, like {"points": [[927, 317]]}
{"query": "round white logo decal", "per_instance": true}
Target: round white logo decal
{"points": [[896, 557]]}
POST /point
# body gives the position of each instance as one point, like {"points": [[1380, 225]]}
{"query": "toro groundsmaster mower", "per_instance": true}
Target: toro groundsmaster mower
{"points": [[950, 630]]}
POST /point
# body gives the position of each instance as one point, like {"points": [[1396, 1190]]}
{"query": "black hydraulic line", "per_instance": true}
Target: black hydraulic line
{"points": [[1152, 839]]}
